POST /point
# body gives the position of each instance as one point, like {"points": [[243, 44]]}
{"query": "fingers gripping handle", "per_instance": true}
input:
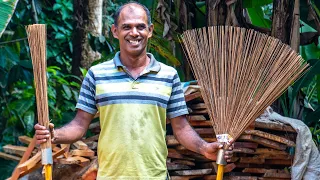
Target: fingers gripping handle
{"points": [[220, 157]]}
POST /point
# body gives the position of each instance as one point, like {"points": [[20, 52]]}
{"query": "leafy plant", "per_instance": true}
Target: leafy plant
{"points": [[7, 8]]}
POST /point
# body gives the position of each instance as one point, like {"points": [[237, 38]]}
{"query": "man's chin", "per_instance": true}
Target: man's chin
{"points": [[135, 52]]}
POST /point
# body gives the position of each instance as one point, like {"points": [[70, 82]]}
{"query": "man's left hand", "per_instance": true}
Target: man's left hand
{"points": [[210, 151]]}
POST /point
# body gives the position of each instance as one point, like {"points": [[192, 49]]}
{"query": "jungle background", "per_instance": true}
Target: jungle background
{"points": [[79, 36]]}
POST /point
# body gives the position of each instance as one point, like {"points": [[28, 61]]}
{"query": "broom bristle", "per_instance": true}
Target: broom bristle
{"points": [[241, 72], [37, 41]]}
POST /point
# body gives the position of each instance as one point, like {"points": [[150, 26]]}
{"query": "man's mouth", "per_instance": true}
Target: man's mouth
{"points": [[134, 42]]}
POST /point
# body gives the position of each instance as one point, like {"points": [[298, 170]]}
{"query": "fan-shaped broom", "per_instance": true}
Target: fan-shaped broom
{"points": [[241, 72], [37, 38]]}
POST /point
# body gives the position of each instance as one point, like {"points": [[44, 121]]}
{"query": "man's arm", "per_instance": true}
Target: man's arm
{"points": [[186, 135], [69, 133]]}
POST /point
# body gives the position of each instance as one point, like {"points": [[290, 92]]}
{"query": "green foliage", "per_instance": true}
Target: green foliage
{"points": [[254, 3], [258, 17], [17, 98], [6, 11], [6, 167]]}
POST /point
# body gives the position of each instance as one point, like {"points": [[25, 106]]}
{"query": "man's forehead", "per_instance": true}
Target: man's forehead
{"points": [[133, 14]]}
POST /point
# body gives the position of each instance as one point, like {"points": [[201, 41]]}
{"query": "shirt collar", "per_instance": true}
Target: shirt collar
{"points": [[154, 65]]}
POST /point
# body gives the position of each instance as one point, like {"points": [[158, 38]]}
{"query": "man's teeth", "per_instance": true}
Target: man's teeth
{"points": [[134, 42]]}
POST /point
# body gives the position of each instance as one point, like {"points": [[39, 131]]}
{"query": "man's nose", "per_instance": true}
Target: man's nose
{"points": [[134, 32]]}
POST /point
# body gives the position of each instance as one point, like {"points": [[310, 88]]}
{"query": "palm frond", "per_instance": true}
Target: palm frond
{"points": [[7, 8]]}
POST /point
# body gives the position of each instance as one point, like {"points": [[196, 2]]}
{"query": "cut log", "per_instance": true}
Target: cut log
{"points": [[277, 126], [277, 175], [173, 166], [81, 145], [193, 172], [243, 150], [255, 170], [183, 162], [89, 172], [172, 153], [196, 118], [192, 96], [269, 151], [30, 163], [197, 123], [250, 145], [199, 112], [15, 150], [92, 145], [278, 162], [229, 167], [271, 137], [9, 157], [74, 160], [94, 125], [59, 152], [92, 138], [171, 140], [66, 148], [198, 106], [84, 153], [263, 141], [16, 173], [183, 177], [205, 131], [252, 160], [25, 139], [247, 165], [276, 156]]}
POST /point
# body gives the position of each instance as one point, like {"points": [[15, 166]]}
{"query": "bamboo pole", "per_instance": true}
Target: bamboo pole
{"points": [[37, 42]]}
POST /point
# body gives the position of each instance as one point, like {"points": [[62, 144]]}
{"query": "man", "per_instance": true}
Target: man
{"points": [[134, 95]]}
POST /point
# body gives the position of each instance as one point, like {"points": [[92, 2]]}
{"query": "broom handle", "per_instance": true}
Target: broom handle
{"points": [[220, 172], [221, 163], [37, 41]]}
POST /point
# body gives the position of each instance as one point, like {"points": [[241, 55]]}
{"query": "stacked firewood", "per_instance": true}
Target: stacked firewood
{"points": [[29, 158], [263, 151]]}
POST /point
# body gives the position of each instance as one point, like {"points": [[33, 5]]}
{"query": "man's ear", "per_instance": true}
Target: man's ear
{"points": [[114, 31], [151, 27]]}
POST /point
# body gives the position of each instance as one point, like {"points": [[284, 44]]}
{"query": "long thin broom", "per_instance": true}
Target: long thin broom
{"points": [[37, 42], [241, 72]]}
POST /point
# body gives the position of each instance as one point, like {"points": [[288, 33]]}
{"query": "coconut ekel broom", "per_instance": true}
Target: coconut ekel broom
{"points": [[241, 72], [37, 42]]}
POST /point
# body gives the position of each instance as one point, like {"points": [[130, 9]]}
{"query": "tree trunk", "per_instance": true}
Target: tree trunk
{"points": [[282, 20], [216, 12], [221, 13], [79, 33], [88, 19]]}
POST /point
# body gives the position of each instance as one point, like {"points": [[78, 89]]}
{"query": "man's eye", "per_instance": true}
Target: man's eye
{"points": [[126, 27], [141, 27]]}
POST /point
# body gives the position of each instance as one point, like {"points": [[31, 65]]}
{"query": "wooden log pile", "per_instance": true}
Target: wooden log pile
{"points": [[261, 152], [29, 158], [264, 151]]}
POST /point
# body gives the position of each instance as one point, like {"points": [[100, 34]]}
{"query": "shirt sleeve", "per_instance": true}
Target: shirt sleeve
{"points": [[177, 104], [86, 101]]}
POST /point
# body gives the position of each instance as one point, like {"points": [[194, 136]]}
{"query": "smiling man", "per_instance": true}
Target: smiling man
{"points": [[134, 94]]}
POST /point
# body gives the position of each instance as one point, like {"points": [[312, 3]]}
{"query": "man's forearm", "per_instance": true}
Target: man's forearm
{"points": [[74, 130], [69, 133], [187, 136]]}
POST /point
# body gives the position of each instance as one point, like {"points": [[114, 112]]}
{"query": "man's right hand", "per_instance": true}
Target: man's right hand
{"points": [[42, 134]]}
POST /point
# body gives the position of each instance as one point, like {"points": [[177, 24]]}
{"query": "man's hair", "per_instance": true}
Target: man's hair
{"points": [[117, 13]]}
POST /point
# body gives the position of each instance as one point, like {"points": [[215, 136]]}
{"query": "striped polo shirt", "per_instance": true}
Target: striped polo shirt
{"points": [[133, 116]]}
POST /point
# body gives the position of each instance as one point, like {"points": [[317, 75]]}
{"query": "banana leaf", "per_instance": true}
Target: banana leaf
{"points": [[7, 8]]}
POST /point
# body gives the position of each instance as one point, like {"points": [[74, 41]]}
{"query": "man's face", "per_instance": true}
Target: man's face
{"points": [[132, 30]]}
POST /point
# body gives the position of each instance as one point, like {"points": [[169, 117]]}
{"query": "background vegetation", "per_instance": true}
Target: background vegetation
{"points": [[66, 68]]}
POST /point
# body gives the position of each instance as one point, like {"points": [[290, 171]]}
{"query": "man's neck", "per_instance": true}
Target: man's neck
{"points": [[135, 64]]}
